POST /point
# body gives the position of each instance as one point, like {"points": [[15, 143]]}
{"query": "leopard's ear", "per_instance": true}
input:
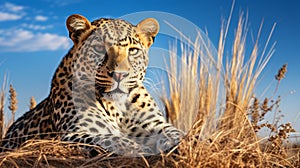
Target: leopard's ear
{"points": [[149, 29], [77, 25]]}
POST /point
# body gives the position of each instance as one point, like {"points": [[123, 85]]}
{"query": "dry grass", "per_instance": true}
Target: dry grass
{"points": [[2, 112], [2, 98], [217, 110], [225, 128]]}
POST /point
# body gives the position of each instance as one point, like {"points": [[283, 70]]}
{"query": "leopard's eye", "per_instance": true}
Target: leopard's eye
{"points": [[133, 51], [98, 48]]}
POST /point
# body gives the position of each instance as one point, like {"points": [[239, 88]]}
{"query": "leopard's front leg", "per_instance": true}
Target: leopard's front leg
{"points": [[148, 125]]}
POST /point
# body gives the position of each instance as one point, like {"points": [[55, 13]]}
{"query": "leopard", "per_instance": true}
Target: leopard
{"points": [[97, 95]]}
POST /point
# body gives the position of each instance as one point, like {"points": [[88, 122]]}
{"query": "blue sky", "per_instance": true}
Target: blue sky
{"points": [[33, 38]]}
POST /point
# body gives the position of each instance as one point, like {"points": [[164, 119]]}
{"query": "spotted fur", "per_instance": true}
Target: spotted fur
{"points": [[97, 95]]}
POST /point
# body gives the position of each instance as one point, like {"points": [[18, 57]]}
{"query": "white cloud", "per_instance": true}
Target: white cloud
{"points": [[9, 16], [36, 27], [41, 18], [12, 7], [19, 40], [25, 37], [9, 11]]}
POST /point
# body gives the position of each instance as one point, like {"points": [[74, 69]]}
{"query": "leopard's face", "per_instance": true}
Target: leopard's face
{"points": [[124, 57], [113, 52]]}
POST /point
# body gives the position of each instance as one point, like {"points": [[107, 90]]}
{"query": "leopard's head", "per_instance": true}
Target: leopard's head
{"points": [[112, 51]]}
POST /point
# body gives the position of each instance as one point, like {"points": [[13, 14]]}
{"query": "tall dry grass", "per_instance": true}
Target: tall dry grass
{"points": [[216, 109], [196, 93], [2, 97], [2, 107]]}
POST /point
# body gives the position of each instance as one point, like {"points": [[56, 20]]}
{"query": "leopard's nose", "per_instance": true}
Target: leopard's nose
{"points": [[118, 76]]}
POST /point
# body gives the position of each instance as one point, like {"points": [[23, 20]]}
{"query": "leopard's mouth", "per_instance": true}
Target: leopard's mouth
{"points": [[112, 85], [115, 87], [117, 90]]}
